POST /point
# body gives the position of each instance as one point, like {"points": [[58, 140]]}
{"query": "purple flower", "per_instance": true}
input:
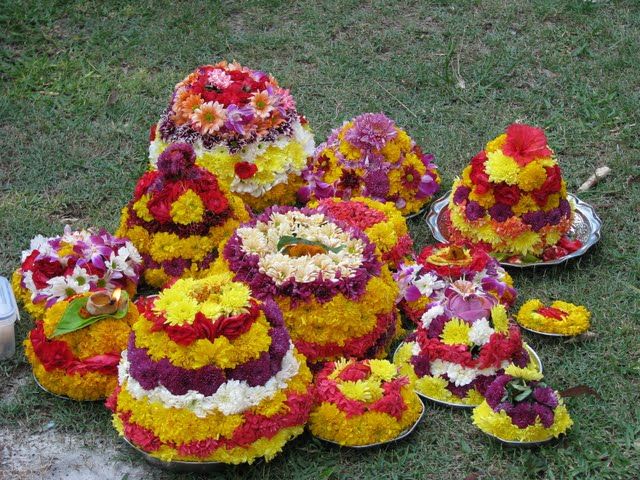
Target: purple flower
{"points": [[459, 391], [176, 159], [468, 306], [565, 208], [546, 396], [501, 212], [175, 267], [523, 414], [554, 216], [495, 391], [237, 118], [371, 131], [461, 194], [474, 211], [421, 364], [427, 187], [535, 219], [377, 183], [544, 413]]}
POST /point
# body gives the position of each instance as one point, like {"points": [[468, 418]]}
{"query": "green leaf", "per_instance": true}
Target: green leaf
{"points": [[291, 240], [72, 320], [517, 386], [529, 258], [523, 395]]}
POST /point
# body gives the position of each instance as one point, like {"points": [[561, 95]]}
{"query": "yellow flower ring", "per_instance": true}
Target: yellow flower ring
{"points": [[197, 380], [561, 318], [362, 403], [258, 144], [511, 198], [336, 297], [178, 216], [80, 365]]}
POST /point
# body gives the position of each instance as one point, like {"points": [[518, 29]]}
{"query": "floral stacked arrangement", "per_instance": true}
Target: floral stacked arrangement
{"points": [[75, 349], [423, 282], [363, 403], [513, 200], [243, 127], [461, 344], [337, 297], [520, 407], [381, 222], [560, 318], [177, 217], [210, 375], [54, 269], [371, 156]]}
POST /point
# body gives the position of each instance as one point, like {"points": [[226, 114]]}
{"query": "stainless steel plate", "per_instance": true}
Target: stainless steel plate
{"points": [[404, 434], [586, 228], [179, 466]]}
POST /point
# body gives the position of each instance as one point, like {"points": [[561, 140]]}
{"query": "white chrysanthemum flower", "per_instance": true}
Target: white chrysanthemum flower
{"points": [[428, 283], [480, 331], [430, 314]]}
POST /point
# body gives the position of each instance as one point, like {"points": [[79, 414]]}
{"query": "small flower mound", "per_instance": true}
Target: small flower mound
{"points": [[361, 403], [371, 156], [513, 200], [440, 265], [243, 127], [82, 364], [336, 297], [381, 222], [53, 269], [210, 375], [178, 216], [561, 317], [462, 343], [520, 407]]}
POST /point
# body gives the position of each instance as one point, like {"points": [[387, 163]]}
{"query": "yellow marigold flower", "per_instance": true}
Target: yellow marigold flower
{"points": [[487, 200], [525, 204], [360, 390], [526, 243], [496, 143], [65, 249], [403, 140], [141, 209], [456, 332], [164, 246], [502, 168], [220, 162], [383, 369], [351, 152], [499, 318], [188, 208], [532, 176], [392, 151], [553, 201], [524, 373]]}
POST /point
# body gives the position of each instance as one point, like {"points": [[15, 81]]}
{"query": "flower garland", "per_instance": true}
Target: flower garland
{"points": [[361, 403], [461, 344], [512, 198], [81, 365], [243, 127], [439, 265], [381, 222], [336, 297], [561, 317], [520, 407], [370, 156], [210, 374], [53, 269], [178, 216]]}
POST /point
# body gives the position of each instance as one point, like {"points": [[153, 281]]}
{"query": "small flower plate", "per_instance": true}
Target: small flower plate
{"points": [[179, 466], [403, 435], [586, 228], [463, 406]]}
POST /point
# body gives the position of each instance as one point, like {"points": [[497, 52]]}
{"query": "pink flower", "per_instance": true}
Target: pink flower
{"points": [[464, 301]]}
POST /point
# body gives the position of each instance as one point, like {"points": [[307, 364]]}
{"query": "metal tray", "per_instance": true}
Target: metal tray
{"points": [[514, 443], [586, 228], [403, 435], [179, 466]]}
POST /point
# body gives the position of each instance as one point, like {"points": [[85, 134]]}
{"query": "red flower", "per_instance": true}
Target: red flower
{"points": [[152, 132], [245, 170], [355, 372], [570, 245], [554, 252], [525, 143], [507, 194], [551, 312], [53, 354], [29, 262], [143, 184], [160, 204], [478, 176]]}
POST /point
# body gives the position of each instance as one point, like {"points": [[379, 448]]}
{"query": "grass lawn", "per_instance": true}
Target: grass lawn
{"points": [[82, 81]]}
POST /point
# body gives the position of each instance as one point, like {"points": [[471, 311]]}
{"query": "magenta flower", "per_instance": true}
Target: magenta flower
{"points": [[176, 159], [474, 211], [501, 212], [371, 131], [237, 118], [463, 300], [377, 183], [461, 194]]}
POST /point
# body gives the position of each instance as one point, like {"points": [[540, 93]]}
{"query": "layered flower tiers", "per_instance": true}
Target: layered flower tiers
{"points": [[210, 374], [243, 127], [336, 296]]}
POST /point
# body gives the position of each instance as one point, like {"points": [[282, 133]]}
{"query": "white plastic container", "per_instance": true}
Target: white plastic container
{"points": [[8, 317]]}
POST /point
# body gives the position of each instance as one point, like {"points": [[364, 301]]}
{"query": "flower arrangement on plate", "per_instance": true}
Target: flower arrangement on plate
{"points": [[461, 344], [512, 199], [337, 297], [381, 222], [75, 348], [362, 403], [560, 318], [370, 156], [178, 215], [210, 375], [519, 408], [243, 127], [423, 282], [54, 269]]}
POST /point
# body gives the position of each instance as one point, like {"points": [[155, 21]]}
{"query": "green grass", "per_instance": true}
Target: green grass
{"points": [[83, 81]]}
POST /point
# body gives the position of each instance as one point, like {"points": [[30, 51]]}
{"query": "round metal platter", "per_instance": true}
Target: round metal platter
{"points": [[586, 228], [419, 213], [463, 406], [179, 466], [545, 334], [514, 443], [403, 435]]}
